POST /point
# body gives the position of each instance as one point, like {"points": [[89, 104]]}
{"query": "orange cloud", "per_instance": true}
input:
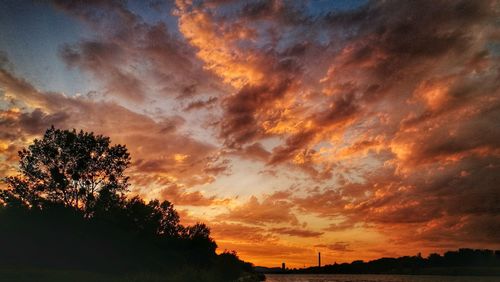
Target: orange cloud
{"points": [[154, 159], [260, 212]]}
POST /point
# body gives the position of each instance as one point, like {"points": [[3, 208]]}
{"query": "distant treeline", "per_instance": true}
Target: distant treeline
{"points": [[461, 262], [68, 213]]}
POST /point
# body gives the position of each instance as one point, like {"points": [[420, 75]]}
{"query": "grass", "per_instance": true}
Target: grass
{"points": [[59, 275], [23, 274]]}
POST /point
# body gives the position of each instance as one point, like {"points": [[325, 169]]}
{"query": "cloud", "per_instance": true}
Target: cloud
{"points": [[200, 104], [442, 203], [327, 203], [240, 233], [296, 232], [336, 247], [259, 79], [180, 197], [255, 151], [340, 226], [269, 210], [132, 58], [103, 60], [160, 153]]}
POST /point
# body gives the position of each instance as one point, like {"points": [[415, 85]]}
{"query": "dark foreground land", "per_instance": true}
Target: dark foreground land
{"points": [[463, 262], [376, 278], [58, 244]]}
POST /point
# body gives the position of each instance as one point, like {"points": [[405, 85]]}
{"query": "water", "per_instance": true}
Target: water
{"points": [[374, 278]]}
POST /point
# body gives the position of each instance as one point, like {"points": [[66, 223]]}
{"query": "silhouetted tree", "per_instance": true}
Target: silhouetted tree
{"points": [[153, 218], [231, 267], [197, 231], [70, 168], [199, 243]]}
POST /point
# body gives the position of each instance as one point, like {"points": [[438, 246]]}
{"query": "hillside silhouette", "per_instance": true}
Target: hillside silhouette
{"points": [[67, 215]]}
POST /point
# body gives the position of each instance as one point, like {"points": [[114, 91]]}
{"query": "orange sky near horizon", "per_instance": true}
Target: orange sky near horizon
{"points": [[358, 129]]}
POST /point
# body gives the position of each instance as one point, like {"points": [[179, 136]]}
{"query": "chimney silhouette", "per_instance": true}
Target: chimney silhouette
{"points": [[319, 259], [283, 267]]}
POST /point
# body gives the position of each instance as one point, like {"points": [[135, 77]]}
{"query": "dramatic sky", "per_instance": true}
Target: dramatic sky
{"points": [[360, 129]]}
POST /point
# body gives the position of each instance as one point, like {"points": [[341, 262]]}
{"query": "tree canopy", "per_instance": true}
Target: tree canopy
{"points": [[68, 167], [85, 172]]}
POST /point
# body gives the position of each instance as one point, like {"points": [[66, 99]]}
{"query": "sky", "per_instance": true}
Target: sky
{"points": [[358, 129]]}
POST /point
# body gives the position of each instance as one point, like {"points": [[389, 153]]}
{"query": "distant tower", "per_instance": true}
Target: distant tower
{"points": [[283, 267], [319, 259]]}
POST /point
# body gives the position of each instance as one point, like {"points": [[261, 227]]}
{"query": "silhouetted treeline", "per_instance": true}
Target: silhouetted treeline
{"points": [[58, 237], [461, 262], [68, 209]]}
